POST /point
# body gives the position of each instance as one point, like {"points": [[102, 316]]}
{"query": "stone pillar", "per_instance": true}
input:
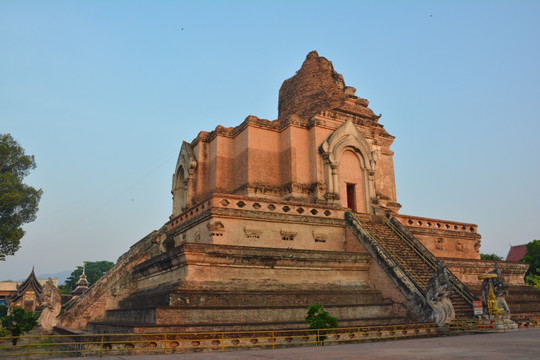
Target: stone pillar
{"points": [[370, 194], [335, 180], [329, 177], [186, 193]]}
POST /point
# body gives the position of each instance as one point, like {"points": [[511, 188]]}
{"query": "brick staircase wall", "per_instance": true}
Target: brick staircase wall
{"points": [[411, 262]]}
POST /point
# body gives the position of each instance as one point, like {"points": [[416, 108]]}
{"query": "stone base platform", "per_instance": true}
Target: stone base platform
{"points": [[260, 289], [524, 303], [210, 310], [121, 328]]}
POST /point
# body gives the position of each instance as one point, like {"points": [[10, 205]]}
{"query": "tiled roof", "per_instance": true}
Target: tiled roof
{"points": [[8, 285], [516, 253], [30, 282]]}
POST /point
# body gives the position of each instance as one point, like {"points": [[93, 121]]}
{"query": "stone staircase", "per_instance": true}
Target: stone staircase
{"points": [[414, 259], [406, 257]]}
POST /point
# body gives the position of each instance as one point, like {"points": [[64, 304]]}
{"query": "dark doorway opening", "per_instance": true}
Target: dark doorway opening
{"points": [[351, 197]]}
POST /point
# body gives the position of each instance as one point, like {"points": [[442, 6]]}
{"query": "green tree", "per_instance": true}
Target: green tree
{"points": [[533, 280], [490, 257], [18, 201], [19, 322], [319, 319], [532, 257], [94, 270], [64, 289]]}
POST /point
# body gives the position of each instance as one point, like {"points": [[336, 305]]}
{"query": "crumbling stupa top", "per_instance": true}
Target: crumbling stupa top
{"points": [[317, 87]]}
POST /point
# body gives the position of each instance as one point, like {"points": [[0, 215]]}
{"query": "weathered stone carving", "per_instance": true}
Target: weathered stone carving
{"points": [[215, 226], [438, 295], [259, 189], [319, 236], [51, 300], [252, 233], [163, 241], [288, 235]]}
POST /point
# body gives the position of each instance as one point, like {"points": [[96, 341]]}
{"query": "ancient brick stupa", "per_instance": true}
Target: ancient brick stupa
{"points": [[274, 215]]}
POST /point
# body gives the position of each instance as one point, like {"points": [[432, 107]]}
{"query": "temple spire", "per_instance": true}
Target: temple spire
{"points": [[82, 283]]}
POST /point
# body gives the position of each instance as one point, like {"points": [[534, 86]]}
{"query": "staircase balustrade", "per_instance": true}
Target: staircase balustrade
{"points": [[429, 258], [394, 247]]}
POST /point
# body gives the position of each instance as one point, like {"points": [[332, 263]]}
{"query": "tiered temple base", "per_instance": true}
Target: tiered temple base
{"points": [[246, 288]]}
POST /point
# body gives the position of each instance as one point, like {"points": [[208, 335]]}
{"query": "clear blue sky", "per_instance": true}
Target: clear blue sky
{"points": [[104, 92]]}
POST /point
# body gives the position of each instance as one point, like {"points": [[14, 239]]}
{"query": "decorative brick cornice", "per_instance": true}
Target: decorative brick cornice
{"points": [[417, 222], [225, 205]]}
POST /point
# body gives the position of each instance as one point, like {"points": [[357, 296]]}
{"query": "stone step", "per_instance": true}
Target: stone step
{"points": [[211, 298], [165, 316], [109, 328], [523, 307]]}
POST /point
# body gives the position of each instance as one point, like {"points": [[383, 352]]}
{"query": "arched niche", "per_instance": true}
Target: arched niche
{"points": [[351, 180], [182, 183], [347, 144], [179, 191]]}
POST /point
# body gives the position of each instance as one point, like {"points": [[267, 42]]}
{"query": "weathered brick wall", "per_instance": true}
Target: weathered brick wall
{"points": [[445, 238], [468, 270], [315, 87]]}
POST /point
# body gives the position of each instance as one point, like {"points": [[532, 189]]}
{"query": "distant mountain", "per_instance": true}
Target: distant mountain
{"points": [[62, 276]]}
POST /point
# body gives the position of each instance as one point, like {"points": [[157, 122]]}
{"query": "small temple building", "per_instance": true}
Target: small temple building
{"points": [[272, 216], [26, 294]]}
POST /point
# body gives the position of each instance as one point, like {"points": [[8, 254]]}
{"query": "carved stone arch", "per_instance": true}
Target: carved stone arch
{"points": [[178, 190], [348, 137], [182, 183], [349, 144]]}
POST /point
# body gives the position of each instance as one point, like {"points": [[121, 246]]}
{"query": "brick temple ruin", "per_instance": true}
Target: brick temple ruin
{"points": [[271, 216]]}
